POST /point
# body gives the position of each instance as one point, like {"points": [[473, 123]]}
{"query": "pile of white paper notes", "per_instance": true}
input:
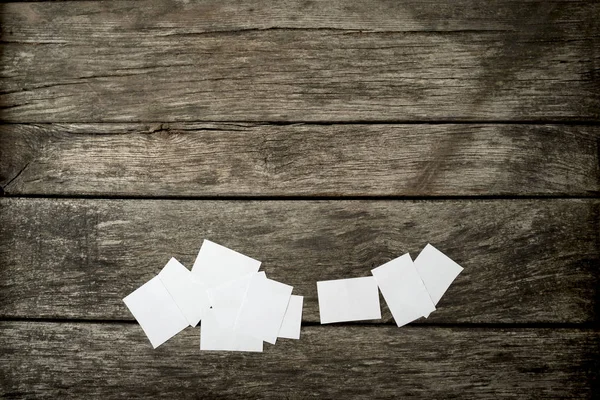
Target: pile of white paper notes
{"points": [[239, 306], [410, 289]]}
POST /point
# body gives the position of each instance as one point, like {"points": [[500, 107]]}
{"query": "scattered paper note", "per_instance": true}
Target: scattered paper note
{"points": [[354, 299], [263, 308], [403, 290], [214, 337], [156, 311], [188, 293], [437, 271], [217, 264], [227, 299], [239, 307], [290, 327]]}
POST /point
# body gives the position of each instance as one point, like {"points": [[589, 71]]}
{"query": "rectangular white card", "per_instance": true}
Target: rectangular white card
{"points": [[156, 311], [189, 294], [214, 337], [226, 299], [437, 271], [403, 290], [263, 309], [292, 320], [354, 299], [217, 264]]}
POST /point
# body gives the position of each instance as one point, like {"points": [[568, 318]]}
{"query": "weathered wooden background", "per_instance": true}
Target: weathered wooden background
{"points": [[324, 137]]}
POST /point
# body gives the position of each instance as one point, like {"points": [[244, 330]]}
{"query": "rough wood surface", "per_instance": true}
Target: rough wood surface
{"points": [[116, 361], [201, 16], [525, 260], [299, 160], [132, 98], [107, 61]]}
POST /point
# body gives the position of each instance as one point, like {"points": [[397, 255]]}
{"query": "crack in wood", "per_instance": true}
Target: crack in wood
{"points": [[18, 174]]}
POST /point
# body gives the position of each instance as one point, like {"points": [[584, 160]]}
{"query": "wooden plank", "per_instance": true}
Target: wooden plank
{"points": [[525, 260], [299, 160], [143, 16], [95, 61], [68, 360]]}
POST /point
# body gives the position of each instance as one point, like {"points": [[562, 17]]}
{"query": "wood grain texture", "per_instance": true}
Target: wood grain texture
{"points": [[202, 16], [299, 160], [105, 61], [116, 361], [525, 261]]}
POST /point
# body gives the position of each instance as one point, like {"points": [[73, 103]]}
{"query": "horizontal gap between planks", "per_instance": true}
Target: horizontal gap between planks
{"points": [[303, 198], [521, 325], [585, 122], [307, 28]]}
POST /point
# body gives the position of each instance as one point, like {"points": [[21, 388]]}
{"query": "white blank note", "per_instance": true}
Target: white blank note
{"points": [[437, 271], [354, 299], [403, 290], [263, 309], [227, 299], [188, 293], [215, 337], [217, 264], [156, 312], [292, 320]]}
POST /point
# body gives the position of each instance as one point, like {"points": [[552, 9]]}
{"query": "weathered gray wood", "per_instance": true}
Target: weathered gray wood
{"points": [[215, 16], [110, 61], [525, 261], [116, 361], [260, 160]]}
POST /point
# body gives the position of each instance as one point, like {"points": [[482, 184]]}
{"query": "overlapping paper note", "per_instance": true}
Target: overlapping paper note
{"points": [[410, 289], [237, 306]]}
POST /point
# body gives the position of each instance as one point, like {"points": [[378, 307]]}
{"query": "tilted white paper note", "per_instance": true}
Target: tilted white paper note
{"points": [[263, 308], [189, 294], [354, 299], [214, 337], [403, 290], [217, 264], [226, 299], [437, 271], [156, 311], [292, 320]]}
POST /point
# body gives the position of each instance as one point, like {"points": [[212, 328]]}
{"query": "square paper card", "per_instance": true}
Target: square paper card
{"points": [[188, 293], [227, 299], [154, 309], [217, 264], [354, 299], [437, 271], [403, 290], [263, 309], [214, 337], [292, 320]]}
